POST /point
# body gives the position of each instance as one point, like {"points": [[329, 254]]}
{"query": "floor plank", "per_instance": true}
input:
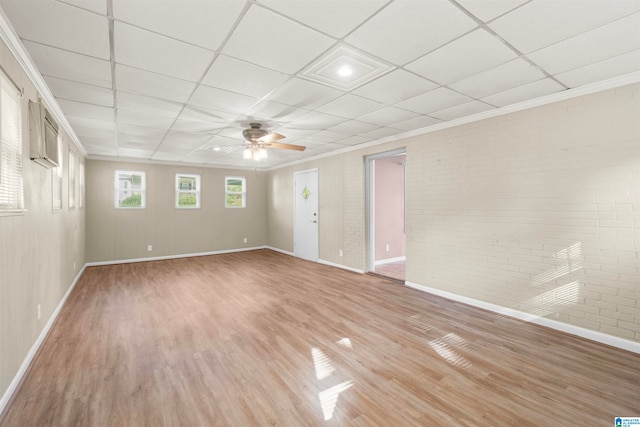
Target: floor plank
{"points": [[261, 338]]}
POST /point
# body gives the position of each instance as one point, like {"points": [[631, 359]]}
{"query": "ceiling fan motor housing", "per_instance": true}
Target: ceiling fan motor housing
{"points": [[254, 133]]}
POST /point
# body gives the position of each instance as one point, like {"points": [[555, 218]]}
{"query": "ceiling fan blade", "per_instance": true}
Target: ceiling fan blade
{"points": [[275, 136], [285, 146]]}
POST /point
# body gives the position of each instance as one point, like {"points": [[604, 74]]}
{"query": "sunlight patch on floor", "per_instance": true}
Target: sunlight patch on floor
{"points": [[445, 347], [329, 398], [345, 342], [323, 366]]}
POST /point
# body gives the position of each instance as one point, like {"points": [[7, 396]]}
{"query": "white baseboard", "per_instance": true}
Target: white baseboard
{"points": [[165, 257], [390, 260], [344, 267], [282, 251], [600, 337], [36, 345]]}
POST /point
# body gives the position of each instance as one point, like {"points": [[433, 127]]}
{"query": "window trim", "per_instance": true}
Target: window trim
{"points": [[143, 189], [72, 172], [17, 207], [57, 180], [196, 192], [243, 192]]}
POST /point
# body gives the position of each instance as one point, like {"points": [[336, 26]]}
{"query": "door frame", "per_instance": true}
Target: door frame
{"points": [[295, 213], [370, 200]]}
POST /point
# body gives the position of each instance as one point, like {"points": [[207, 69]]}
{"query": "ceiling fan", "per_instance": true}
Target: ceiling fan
{"points": [[257, 140]]}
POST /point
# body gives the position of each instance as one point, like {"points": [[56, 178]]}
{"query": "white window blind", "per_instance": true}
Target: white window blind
{"points": [[11, 181]]}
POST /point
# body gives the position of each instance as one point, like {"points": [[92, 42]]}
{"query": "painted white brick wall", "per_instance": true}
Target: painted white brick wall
{"points": [[537, 211]]}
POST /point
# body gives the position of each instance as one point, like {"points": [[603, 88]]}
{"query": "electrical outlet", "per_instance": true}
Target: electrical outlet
{"points": [[386, 247], [340, 252], [245, 240], [39, 311], [149, 248]]}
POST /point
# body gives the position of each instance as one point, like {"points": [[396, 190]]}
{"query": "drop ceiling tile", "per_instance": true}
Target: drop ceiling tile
{"points": [[97, 149], [433, 101], [354, 127], [286, 46], [107, 132], [59, 25], [524, 93], [145, 119], [316, 120], [73, 91], [542, 23], [143, 82], [380, 133], [327, 136], [218, 99], [486, 10], [473, 53], [405, 30], [274, 112], [69, 65], [202, 23], [242, 77], [98, 6], [507, 76], [322, 15], [416, 123], [350, 106], [462, 110], [152, 52], [160, 107], [610, 40], [137, 141], [223, 142], [322, 149], [603, 70], [90, 111], [354, 140], [394, 87], [194, 119], [135, 153], [388, 116], [304, 94], [133, 129]]}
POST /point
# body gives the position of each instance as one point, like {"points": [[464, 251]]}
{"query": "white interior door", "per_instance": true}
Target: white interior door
{"points": [[305, 231]]}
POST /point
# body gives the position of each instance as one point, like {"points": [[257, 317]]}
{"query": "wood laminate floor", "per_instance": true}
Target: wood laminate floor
{"points": [[394, 270], [261, 338]]}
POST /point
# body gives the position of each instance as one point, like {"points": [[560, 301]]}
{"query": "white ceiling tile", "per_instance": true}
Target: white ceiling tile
{"points": [[603, 70], [327, 136], [462, 110], [379, 133], [316, 120], [74, 91], [394, 87], [69, 65], [354, 127], [98, 6], [144, 104], [354, 140], [350, 106], [388, 116], [507, 76], [137, 141], [142, 118], [223, 141], [143, 82], [541, 23], [464, 57], [59, 25], [322, 15], [96, 148], [433, 101], [487, 10], [242, 77], [604, 42], [134, 129], [303, 94], [407, 29], [285, 46], [200, 22], [416, 123], [90, 111], [108, 134], [153, 52], [136, 153], [274, 112], [195, 119], [523, 93], [223, 100], [323, 148]]}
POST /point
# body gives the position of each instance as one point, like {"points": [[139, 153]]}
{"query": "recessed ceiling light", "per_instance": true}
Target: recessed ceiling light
{"points": [[345, 71]]}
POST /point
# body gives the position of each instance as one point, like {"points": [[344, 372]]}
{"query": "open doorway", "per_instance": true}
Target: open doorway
{"points": [[386, 214]]}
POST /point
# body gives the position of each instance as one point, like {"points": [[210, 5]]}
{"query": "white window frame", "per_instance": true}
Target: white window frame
{"points": [[143, 188], [243, 192], [73, 173], [56, 178], [11, 174], [195, 192], [81, 185]]}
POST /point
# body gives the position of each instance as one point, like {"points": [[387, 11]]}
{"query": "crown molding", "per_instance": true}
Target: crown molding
{"points": [[13, 42]]}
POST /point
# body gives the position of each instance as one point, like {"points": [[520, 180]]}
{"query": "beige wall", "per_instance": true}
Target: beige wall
{"points": [[41, 251], [121, 234], [389, 208], [537, 210]]}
